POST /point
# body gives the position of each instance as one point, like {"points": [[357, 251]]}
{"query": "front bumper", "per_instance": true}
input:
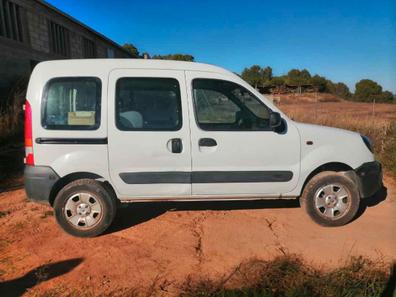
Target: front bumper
{"points": [[368, 178], [39, 181]]}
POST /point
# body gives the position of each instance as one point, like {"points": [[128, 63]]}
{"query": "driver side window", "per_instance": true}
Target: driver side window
{"points": [[222, 105]]}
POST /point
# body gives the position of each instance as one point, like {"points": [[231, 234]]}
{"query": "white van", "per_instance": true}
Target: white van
{"points": [[100, 132]]}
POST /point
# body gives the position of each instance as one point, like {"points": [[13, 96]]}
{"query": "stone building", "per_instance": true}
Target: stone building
{"points": [[33, 30]]}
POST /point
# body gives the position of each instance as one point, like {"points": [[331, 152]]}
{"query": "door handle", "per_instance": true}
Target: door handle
{"points": [[177, 145], [207, 142]]}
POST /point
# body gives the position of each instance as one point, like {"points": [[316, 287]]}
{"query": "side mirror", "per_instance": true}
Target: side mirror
{"points": [[275, 120]]}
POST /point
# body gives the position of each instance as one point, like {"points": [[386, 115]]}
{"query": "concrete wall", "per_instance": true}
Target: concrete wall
{"points": [[17, 59]]}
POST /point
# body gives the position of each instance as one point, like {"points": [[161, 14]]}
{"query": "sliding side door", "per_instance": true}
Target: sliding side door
{"points": [[149, 136]]}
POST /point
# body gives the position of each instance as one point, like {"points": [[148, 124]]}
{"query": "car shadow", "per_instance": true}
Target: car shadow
{"points": [[374, 200], [133, 214], [18, 286]]}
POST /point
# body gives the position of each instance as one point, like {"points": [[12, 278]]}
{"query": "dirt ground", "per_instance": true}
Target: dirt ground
{"points": [[162, 244]]}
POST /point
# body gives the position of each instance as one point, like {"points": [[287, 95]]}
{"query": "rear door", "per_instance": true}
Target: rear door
{"points": [[148, 132]]}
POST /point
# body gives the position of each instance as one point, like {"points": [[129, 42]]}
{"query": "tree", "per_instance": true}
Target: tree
{"points": [[278, 82], [177, 57], [252, 75], [257, 76], [367, 90], [296, 77], [318, 82], [146, 55], [342, 90], [266, 74], [330, 87], [386, 97], [131, 49], [305, 74]]}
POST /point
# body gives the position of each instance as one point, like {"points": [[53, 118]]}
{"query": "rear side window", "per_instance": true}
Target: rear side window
{"points": [[72, 103], [148, 104]]}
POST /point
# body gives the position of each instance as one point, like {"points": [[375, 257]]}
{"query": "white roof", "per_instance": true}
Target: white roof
{"points": [[108, 64]]}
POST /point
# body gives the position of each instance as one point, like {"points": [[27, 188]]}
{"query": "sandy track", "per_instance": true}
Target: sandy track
{"points": [[165, 243]]}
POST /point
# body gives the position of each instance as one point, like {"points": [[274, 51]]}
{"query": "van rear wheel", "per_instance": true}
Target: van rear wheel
{"points": [[331, 199], [84, 208]]}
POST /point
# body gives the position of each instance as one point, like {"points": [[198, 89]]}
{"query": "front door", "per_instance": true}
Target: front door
{"points": [[148, 134], [234, 150]]}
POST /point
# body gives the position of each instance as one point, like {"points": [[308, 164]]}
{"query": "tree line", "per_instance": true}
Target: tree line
{"points": [[134, 52], [366, 90]]}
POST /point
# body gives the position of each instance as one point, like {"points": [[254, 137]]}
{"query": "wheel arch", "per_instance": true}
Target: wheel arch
{"points": [[331, 166], [63, 181]]}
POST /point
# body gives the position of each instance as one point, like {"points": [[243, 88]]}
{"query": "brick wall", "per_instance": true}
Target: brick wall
{"points": [[38, 31], [76, 44]]}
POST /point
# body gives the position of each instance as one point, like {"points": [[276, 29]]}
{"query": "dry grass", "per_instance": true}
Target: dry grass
{"points": [[290, 276], [377, 129], [376, 121], [305, 97]]}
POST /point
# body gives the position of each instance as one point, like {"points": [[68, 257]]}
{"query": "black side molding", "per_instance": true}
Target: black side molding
{"points": [[71, 140], [169, 177], [202, 177]]}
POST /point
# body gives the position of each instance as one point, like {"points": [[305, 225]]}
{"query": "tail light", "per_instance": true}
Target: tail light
{"points": [[29, 157]]}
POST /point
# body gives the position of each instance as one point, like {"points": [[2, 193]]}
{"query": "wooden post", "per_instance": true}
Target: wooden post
{"points": [[373, 112]]}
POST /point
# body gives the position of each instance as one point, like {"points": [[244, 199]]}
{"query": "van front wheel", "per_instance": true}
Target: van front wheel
{"points": [[331, 199], [84, 208]]}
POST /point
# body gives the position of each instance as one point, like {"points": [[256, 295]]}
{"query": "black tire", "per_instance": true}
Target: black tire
{"points": [[95, 191], [314, 188]]}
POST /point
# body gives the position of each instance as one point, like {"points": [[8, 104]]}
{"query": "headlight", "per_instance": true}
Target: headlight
{"points": [[367, 141]]}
